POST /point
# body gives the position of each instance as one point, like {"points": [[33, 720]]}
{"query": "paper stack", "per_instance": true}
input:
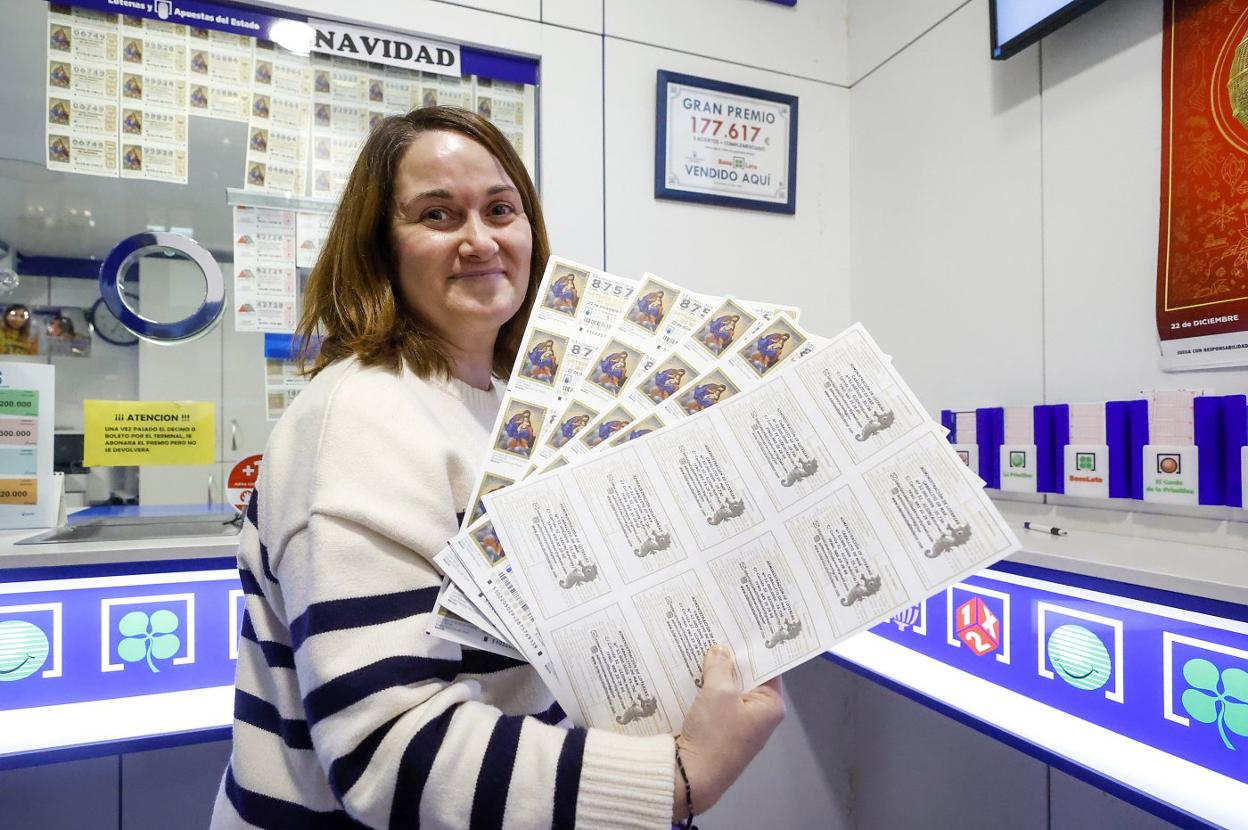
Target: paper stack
{"points": [[671, 470]]}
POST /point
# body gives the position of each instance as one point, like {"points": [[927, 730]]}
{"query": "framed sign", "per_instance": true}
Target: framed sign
{"points": [[724, 144]]}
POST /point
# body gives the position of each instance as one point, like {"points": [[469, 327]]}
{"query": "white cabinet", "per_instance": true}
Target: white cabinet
{"points": [[170, 289]]}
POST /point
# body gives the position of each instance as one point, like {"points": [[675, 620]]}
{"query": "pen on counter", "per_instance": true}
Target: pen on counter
{"points": [[1056, 531]]}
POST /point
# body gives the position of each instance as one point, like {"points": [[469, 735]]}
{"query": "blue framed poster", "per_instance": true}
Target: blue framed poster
{"points": [[724, 144]]}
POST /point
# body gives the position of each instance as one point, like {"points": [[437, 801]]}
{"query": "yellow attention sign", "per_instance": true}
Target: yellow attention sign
{"points": [[134, 433]]}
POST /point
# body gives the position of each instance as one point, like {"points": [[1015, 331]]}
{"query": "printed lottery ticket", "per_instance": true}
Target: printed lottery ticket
{"points": [[779, 521], [575, 310], [82, 91], [694, 376], [659, 316], [265, 280]]}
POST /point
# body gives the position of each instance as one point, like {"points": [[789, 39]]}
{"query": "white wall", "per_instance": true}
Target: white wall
{"points": [[802, 50], [808, 40], [946, 216], [1013, 205], [879, 30], [800, 260], [1003, 248]]}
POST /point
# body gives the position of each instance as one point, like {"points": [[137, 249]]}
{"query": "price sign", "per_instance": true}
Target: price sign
{"points": [[21, 432], [19, 491], [19, 402], [28, 497], [725, 144]]}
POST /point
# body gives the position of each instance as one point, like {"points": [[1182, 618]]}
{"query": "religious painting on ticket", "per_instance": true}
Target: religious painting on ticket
{"points": [[1202, 258]]}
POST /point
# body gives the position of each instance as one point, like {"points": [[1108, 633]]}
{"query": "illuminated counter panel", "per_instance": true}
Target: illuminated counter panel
{"points": [[1141, 692], [104, 659]]}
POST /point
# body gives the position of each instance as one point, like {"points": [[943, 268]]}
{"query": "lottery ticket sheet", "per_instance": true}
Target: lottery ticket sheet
{"points": [[590, 418], [693, 378], [479, 557], [575, 310], [82, 110], [265, 280], [659, 316], [740, 368], [780, 521], [769, 342], [460, 622]]}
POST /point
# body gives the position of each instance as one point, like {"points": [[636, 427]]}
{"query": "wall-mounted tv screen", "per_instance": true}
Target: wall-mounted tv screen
{"points": [[1016, 24]]}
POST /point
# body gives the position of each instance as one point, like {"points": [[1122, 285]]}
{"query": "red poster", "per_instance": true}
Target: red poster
{"points": [[1202, 256]]}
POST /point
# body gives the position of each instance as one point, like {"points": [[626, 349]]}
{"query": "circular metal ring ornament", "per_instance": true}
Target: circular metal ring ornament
{"points": [[127, 252]]}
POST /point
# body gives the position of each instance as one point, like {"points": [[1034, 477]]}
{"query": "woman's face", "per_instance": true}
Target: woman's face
{"points": [[461, 239]]}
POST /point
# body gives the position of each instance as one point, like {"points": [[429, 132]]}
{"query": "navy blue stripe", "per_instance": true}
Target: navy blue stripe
{"points": [[568, 780], [277, 655], [489, 801], [417, 761], [483, 662], [264, 563], [345, 771], [264, 715], [358, 612], [354, 686], [250, 584], [253, 515], [278, 814], [553, 715]]}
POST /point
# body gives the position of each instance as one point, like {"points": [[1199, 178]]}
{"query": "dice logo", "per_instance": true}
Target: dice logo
{"points": [[977, 627]]}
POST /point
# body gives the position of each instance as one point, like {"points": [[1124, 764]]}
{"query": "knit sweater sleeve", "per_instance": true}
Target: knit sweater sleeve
{"points": [[395, 718]]}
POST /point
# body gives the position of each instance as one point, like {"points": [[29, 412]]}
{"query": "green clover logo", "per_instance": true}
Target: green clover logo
{"points": [[1228, 707], [148, 637]]}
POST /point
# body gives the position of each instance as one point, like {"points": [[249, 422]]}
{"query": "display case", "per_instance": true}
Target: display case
{"points": [[1121, 660], [113, 646]]}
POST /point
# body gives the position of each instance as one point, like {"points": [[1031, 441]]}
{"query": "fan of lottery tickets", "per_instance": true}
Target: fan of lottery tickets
{"points": [[670, 470]]}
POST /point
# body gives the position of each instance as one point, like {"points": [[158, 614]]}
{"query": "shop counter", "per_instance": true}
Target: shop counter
{"points": [[1122, 661], [114, 646]]}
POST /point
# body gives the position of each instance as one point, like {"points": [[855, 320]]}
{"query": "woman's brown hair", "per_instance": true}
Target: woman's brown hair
{"points": [[352, 301]]}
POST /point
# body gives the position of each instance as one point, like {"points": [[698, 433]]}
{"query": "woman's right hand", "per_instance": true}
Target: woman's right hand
{"points": [[723, 731]]}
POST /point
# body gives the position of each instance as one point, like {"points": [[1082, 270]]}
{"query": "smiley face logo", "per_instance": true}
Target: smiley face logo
{"points": [[23, 649], [1079, 657]]}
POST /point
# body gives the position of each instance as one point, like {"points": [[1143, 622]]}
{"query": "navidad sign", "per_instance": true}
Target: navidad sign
{"points": [[389, 48]]}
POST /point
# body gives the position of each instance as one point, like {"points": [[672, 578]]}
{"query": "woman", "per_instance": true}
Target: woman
{"points": [[347, 712]]}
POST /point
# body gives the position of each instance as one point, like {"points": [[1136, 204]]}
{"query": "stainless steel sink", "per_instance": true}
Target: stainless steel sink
{"points": [[130, 528]]}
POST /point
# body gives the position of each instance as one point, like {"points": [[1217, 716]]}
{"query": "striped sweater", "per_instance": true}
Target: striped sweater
{"points": [[347, 714]]}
